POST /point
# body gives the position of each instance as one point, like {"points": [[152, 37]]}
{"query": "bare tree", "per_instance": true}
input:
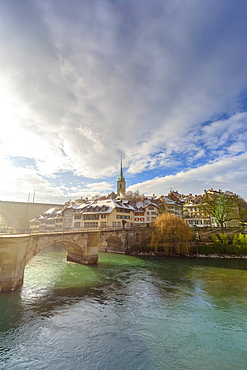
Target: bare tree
{"points": [[223, 207]]}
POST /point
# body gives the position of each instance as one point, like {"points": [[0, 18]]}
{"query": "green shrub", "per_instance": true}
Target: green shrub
{"points": [[240, 241], [224, 239], [215, 239], [220, 249]]}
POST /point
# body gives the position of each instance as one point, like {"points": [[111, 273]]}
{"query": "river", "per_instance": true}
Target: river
{"points": [[127, 313]]}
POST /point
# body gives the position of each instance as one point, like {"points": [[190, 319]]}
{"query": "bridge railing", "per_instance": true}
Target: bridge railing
{"points": [[7, 232]]}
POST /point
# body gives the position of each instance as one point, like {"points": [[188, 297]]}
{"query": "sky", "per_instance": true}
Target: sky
{"points": [[163, 82]]}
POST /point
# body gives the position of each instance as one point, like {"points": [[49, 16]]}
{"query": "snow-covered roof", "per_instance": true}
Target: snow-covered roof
{"points": [[104, 205], [168, 200], [144, 204], [50, 213], [139, 205]]}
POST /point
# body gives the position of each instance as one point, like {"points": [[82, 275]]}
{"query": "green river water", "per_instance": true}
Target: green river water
{"points": [[126, 313]]}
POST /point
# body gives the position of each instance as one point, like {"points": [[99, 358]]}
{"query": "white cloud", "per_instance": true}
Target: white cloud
{"points": [[227, 174], [82, 82]]}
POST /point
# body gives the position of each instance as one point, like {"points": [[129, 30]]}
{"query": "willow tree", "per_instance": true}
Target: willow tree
{"points": [[162, 207], [171, 234]]}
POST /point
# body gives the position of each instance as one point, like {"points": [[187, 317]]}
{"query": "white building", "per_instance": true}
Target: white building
{"points": [[145, 212], [50, 220]]}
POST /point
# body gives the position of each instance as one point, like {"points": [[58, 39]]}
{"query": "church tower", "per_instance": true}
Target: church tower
{"points": [[121, 183]]}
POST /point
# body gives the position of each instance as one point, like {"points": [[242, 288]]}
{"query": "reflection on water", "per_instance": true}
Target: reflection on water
{"points": [[126, 313]]}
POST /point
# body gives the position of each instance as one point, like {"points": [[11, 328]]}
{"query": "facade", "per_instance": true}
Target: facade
{"points": [[104, 214], [172, 206], [50, 220], [89, 214], [145, 212], [194, 216]]}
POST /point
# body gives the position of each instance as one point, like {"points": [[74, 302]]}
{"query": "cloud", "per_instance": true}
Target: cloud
{"points": [[226, 174], [162, 82]]}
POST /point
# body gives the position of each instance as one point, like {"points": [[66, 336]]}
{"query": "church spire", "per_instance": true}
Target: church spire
{"points": [[121, 177], [121, 184]]}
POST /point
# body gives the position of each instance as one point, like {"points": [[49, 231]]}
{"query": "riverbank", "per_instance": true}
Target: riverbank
{"points": [[161, 254], [222, 245]]}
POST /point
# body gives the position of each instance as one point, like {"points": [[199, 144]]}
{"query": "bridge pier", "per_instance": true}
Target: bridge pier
{"points": [[12, 261], [90, 254]]}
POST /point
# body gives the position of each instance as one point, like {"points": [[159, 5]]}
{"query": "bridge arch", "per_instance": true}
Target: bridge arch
{"points": [[116, 241], [71, 248]]}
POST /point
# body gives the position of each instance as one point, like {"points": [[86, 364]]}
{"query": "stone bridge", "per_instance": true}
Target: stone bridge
{"points": [[17, 250], [81, 247]]}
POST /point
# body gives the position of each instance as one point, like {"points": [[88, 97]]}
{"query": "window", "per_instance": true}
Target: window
{"points": [[90, 224], [77, 217], [103, 216], [123, 217], [103, 224], [116, 224], [123, 210], [90, 217], [77, 224]]}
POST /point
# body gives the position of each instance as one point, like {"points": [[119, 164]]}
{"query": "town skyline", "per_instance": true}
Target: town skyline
{"points": [[164, 83]]}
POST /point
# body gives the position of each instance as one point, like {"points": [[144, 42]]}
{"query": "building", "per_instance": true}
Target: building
{"points": [[145, 212], [50, 220], [103, 214], [89, 214], [194, 216], [173, 206]]}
